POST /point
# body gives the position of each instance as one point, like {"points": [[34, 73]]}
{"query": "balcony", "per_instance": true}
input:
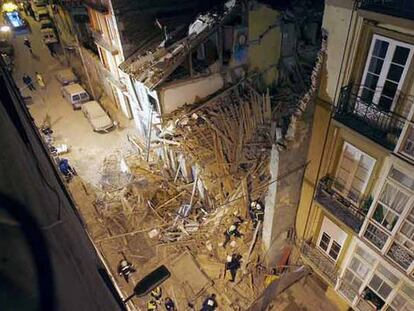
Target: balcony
{"points": [[398, 8], [339, 206], [103, 42], [319, 262], [383, 127]]}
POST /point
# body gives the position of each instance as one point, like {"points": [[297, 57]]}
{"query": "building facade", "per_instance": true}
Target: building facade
{"points": [[106, 36], [355, 223]]}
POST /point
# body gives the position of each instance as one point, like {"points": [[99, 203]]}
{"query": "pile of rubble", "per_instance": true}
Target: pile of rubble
{"points": [[154, 65]]}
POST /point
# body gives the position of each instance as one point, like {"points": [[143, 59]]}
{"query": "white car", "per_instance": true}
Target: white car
{"points": [[97, 117], [66, 76]]}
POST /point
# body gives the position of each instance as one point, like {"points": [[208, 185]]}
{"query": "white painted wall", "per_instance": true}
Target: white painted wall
{"points": [[178, 94], [270, 200]]}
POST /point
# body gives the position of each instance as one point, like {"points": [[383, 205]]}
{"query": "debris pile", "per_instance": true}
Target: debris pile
{"points": [[154, 65]]}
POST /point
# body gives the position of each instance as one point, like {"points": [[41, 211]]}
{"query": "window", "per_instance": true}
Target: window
{"points": [[324, 243], [390, 205], [368, 258], [408, 144], [401, 255], [384, 73], [331, 239], [400, 303], [394, 202], [402, 178], [353, 172], [377, 236], [335, 249], [379, 286], [387, 274], [360, 269], [75, 97], [406, 233]]}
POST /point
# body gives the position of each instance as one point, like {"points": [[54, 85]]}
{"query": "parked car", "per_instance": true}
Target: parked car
{"points": [[47, 24], [75, 94], [41, 14], [97, 117], [6, 48], [15, 21], [66, 76]]}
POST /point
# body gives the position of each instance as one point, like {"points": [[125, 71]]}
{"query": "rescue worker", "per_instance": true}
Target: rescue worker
{"points": [[125, 268], [65, 168], [232, 265], [40, 80], [269, 278], [152, 305], [210, 303], [169, 304], [232, 231], [156, 293], [256, 212]]}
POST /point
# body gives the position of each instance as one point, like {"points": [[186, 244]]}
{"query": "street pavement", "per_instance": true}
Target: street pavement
{"points": [[87, 148]]}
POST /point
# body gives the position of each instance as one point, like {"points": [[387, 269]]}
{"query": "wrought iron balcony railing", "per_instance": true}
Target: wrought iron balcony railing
{"points": [[383, 127], [341, 207], [320, 262], [398, 8]]}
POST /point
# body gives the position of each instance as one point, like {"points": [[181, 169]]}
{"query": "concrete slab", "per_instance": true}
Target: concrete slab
{"points": [[186, 270]]}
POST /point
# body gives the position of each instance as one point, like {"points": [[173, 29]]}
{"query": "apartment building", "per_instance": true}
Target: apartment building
{"points": [[111, 51], [355, 223]]}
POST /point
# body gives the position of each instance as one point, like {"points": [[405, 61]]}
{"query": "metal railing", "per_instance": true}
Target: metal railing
{"points": [[341, 207], [320, 262], [398, 8], [383, 127]]}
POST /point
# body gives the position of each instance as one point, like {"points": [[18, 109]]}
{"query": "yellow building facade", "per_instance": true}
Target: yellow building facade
{"points": [[355, 222]]}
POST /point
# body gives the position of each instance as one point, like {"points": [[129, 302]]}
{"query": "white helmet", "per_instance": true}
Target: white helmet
{"points": [[229, 258]]}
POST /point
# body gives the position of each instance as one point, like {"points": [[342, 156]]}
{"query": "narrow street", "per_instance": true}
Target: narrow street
{"points": [[87, 148]]}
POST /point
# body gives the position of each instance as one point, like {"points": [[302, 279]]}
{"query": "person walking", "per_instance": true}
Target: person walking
{"points": [[40, 80], [28, 44], [27, 80], [232, 265]]}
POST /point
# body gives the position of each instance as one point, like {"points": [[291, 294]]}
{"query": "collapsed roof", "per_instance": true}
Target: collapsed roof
{"points": [[161, 53]]}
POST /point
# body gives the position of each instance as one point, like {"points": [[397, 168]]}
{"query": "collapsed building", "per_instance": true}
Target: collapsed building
{"points": [[226, 106]]}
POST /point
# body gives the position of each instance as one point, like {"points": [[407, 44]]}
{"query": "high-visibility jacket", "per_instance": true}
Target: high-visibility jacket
{"points": [[156, 293], [151, 305]]}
